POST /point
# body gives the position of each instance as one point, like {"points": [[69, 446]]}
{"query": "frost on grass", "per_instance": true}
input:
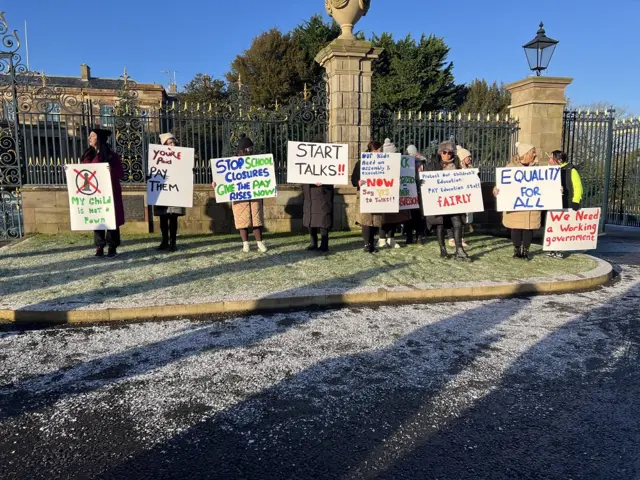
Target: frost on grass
{"points": [[60, 273]]}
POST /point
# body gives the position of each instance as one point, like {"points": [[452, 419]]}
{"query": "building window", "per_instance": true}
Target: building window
{"points": [[53, 112], [106, 116]]}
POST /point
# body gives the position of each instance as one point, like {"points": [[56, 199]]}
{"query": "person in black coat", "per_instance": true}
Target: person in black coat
{"points": [[446, 159], [318, 214]]}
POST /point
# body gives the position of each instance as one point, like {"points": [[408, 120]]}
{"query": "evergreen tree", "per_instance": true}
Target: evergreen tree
{"points": [[484, 98]]}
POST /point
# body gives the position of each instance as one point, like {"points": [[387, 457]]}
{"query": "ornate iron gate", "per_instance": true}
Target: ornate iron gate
{"points": [[606, 152]]}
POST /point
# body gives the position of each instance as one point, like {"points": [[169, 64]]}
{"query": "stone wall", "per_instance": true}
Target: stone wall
{"points": [[46, 210]]}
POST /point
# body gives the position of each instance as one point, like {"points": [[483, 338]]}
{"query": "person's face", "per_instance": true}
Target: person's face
{"points": [[529, 157], [467, 161], [171, 142], [93, 140], [246, 151], [447, 156], [554, 161]]}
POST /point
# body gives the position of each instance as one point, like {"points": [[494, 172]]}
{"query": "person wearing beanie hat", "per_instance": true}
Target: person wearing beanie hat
{"points": [[391, 221], [522, 224], [248, 213], [417, 223], [369, 222], [168, 215], [464, 156], [446, 159], [99, 151]]}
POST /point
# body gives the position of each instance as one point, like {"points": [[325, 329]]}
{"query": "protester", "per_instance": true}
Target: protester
{"points": [[99, 151], [391, 221], [465, 162], [417, 223], [168, 215], [369, 222], [250, 213], [571, 186], [318, 214], [522, 224], [446, 159]]}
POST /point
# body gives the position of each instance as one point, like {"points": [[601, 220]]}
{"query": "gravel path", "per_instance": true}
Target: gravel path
{"points": [[541, 387]]}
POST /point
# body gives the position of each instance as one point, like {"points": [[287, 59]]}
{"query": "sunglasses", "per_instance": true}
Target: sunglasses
{"points": [[447, 153]]}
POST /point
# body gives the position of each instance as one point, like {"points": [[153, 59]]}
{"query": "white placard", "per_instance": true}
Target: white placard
{"points": [[408, 186], [572, 230], [91, 202], [380, 192], [250, 177], [311, 163], [451, 192], [528, 188], [170, 171]]}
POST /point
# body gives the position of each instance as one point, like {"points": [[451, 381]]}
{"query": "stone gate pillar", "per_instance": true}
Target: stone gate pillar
{"points": [[538, 102], [348, 66]]}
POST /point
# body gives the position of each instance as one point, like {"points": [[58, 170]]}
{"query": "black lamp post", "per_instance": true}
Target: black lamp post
{"points": [[540, 50]]}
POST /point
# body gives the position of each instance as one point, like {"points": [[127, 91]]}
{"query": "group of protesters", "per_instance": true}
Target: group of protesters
{"points": [[318, 203]]}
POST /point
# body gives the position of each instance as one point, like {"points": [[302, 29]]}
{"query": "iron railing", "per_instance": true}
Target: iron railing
{"points": [[606, 153], [491, 139]]}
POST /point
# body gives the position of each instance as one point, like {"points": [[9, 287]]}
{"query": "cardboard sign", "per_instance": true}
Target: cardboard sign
{"points": [[528, 188], [170, 171], [244, 178], [450, 192], [312, 163], [380, 192], [572, 230], [408, 186], [91, 203]]}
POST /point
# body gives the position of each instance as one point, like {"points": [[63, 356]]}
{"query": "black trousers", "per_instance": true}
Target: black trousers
{"points": [[313, 231], [169, 226], [368, 234], [103, 238], [417, 224], [456, 227], [388, 230], [521, 237]]}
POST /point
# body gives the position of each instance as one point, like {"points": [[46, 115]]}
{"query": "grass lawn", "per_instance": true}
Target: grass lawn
{"points": [[59, 272]]}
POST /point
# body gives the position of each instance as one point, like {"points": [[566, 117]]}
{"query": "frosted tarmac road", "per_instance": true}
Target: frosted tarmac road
{"points": [[542, 387]]}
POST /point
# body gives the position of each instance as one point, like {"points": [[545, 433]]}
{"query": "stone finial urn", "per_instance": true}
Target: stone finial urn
{"points": [[347, 13]]}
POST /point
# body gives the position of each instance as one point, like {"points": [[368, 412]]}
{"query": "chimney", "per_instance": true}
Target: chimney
{"points": [[85, 71]]}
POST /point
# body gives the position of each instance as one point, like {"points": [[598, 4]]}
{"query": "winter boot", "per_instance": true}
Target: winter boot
{"points": [[112, 252], [100, 252], [517, 252], [460, 253], [324, 244], [314, 242], [525, 254], [440, 233], [173, 232]]}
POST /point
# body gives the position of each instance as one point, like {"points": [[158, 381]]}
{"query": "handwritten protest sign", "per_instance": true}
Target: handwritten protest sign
{"points": [[528, 188], [312, 163], [408, 186], [91, 204], [572, 230], [244, 178], [170, 173], [450, 192], [380, 192]]}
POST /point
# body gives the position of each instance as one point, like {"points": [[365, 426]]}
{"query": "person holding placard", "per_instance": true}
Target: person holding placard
{"points": [[391, 221], [464, 156], [99, 151], [571, 186], [248, 213], [168, 215], [369, 222], [446, 159], [417, 223], [522, 223], [318, 214]]}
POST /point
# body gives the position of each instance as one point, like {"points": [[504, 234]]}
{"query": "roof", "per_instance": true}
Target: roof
{"points": [[77, 82]]}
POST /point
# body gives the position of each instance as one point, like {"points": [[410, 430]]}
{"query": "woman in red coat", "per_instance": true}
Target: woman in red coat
{"points": [[99, 151]]}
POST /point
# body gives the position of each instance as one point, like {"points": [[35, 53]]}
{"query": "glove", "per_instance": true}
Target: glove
{"points": [[575, 206]]}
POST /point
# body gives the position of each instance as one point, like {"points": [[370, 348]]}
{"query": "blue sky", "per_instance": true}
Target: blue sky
{"points": [[599, 44]]}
